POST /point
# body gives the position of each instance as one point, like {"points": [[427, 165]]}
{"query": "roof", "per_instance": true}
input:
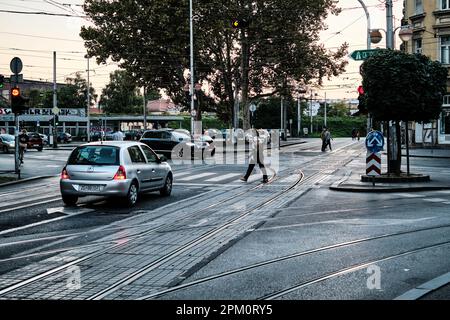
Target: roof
{"points": [[113, 143]]}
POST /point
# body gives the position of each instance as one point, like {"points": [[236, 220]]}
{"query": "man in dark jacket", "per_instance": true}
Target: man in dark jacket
{"points": [[23, 143], [256, 157]]}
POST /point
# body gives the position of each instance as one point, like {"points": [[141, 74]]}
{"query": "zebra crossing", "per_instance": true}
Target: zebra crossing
{"points": [[217, 177]]}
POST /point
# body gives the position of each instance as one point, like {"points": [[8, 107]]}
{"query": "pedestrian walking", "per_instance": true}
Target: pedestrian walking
{"points": [[353, 134], [23, 143], [328, 139], [256, 157], [358, 134], [322, 137], [117, 135]]}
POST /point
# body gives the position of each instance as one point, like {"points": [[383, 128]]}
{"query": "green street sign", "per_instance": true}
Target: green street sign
{"points": [[360, 55]]}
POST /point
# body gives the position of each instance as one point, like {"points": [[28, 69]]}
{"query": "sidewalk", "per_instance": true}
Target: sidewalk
{"points": [[427, 153], [440, 179]]}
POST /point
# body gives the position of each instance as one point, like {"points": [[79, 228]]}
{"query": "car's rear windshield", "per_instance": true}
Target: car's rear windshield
{"points": [[153, 135], [95, 155]]}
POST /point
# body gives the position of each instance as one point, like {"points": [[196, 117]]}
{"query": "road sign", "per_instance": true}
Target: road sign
{"points": [[360, 55], [373, 163], [16, 65], [55, 110], [193, 113], [252, 108], [374, 141], [16, 78]]}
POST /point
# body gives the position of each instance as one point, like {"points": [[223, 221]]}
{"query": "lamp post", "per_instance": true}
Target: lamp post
{"points": [[191, 36], [368, 22]]}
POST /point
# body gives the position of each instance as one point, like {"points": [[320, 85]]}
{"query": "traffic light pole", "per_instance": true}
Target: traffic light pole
{"points": [[55, 145]]}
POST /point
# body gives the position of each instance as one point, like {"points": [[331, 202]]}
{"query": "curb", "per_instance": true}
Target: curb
{"points": [[420, 156], [425, 288], [387, 189], [24, 180]]}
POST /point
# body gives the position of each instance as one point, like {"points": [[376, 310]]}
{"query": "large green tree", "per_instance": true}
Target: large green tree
{"points": [[276, 54], [121, 95], [402, 87]]}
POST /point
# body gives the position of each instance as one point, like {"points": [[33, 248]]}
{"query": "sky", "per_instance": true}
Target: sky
{"points": [[34, 37]]}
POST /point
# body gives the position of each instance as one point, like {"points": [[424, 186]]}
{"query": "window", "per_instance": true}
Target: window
{"points": [[136, 155], [151, 156], [95, 155], [419, 7], [152, 135], [445, 50], [418, 46], [444, 4]]}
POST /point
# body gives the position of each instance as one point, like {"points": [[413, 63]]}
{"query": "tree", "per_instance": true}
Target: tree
{"points": [[121, 95], [403, 87], [277, 53], [338, 109]]}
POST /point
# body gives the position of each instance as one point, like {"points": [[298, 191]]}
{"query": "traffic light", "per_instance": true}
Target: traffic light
{"points": [[17, 101], [56, 120], [362, 100], [239, 23], [2, 81]]}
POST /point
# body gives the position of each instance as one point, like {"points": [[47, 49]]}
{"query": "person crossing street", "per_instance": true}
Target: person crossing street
{"points": [[256, 157], [23, 143]]}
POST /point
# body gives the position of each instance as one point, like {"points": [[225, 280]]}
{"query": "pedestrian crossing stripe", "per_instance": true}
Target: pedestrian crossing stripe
{"points": [[197, 176], [223, 177]]}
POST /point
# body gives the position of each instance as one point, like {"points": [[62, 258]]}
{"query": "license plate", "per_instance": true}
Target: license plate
{"points": [[91, 188], [36, 145]]}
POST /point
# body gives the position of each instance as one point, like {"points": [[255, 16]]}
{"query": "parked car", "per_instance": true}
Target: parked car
{"points": [[174, 143], [64, 137], [96, 136], [44, 138], [7, 143], [35, 141], [114, 168]]}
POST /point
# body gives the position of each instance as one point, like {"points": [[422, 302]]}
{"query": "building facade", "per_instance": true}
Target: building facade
{"points": [[430, 20]]}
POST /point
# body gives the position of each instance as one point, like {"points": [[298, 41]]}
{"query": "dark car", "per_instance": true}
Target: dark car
{"points": [[64, 137], [173, 143], [35, 141]]}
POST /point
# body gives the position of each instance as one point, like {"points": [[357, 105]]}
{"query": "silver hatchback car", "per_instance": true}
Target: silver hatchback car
{"points": [[114, 168]]}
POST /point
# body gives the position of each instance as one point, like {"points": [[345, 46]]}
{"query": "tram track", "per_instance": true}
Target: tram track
{"points": [[136, 275], [293, 256]]}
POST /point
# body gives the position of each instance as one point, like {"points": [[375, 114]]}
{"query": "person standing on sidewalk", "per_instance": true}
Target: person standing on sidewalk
{"points": [[256, 157], [117, 135], [23, 143]]}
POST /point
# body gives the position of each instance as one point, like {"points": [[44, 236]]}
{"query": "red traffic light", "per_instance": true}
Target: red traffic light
{"points": [[361, 90], [15, 92]]}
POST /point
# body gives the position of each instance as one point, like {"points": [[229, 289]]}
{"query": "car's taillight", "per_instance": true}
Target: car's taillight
{"points": [[120, 174], [64, 174]]}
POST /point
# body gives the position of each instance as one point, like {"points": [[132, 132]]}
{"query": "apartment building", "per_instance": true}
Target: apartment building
{"points": [[430, 20]]}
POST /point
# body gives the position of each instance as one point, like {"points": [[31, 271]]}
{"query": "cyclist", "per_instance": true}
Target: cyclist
{"points": [[23, 142]]}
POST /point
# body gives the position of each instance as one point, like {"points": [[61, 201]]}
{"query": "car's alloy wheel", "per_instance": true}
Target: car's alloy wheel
{"points": [[167, 189], [132, 195]]}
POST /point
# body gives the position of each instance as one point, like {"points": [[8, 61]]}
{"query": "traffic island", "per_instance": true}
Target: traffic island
{"points": [[355, 182], [403, 177]]}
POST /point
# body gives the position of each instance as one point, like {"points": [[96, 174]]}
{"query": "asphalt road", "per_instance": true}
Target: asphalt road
{"points": [[291, 239]]}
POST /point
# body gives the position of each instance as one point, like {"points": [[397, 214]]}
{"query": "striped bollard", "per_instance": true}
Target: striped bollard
{"points": [[373, 164]]}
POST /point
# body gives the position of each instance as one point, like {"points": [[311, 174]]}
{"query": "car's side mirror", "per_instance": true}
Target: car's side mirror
{"points": [[162, 158]]}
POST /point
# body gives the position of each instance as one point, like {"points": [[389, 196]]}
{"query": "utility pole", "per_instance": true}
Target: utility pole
{"points": [[281, 118], [88, 127], [55, 145], [325, 115], [145, 110], [389, 25], [191, 36], [299, 116], [310, 110]]}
